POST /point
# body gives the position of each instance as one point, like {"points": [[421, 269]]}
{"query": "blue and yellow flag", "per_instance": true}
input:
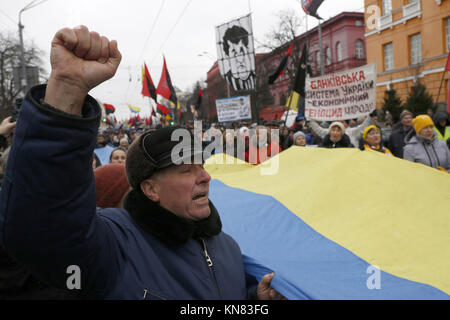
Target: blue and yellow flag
{"points": [[339, 223], [134, 109]]}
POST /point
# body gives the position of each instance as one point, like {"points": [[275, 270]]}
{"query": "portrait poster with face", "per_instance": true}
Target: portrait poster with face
{"points": [[236, 53]]}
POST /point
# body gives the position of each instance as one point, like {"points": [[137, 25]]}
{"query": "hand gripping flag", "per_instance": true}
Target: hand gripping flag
{"points": [[148, 88], [310, 7], [165, 87], [281, 68]]}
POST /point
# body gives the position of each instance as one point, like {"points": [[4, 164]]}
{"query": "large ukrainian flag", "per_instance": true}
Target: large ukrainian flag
{"points": [[339, 224]]}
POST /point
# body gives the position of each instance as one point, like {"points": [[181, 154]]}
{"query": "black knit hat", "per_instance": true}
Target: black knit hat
{"points": [[159, 149]]}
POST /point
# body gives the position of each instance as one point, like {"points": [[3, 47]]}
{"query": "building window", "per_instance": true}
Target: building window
{"points": [[339, 51], [447, 32], [388, 56], [328, 56], [386, 6], [359, 50], [415, 43]]}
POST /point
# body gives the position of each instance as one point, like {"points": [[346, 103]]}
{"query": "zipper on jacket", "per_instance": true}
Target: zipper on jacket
{"points": [[210, 266]]}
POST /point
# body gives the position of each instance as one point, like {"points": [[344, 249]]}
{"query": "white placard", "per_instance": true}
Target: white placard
{"points": [[233, 109], [341, 96]]}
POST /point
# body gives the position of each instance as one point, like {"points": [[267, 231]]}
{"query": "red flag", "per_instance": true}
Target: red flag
{"points": [[165, 87], [148, 88], [109, 108], [310, 7], [163, 109], [199, 100], [280, 70], [447, 67]]}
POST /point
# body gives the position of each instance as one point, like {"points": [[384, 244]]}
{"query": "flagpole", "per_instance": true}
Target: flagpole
{"points": [[322, 67]]}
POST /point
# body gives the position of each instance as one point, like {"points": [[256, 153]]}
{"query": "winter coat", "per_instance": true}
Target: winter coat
{"points": [[434, 153], [343, 143], [49, 222], [353, 133], [443, 133], [396, 141]]}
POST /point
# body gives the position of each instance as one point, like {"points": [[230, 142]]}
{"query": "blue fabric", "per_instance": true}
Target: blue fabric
{"points": [[307, 265], [104, 153]]}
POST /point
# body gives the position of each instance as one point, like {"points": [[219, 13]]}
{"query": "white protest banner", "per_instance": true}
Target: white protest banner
{"points": [[233, 109], [340, 96]]}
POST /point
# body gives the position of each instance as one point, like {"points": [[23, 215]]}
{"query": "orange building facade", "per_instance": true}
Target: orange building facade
{"points": [[409, 40]]}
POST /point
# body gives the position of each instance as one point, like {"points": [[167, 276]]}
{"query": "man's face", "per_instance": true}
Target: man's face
{"points": [[407, 121], [239, 60], [184, 190]]}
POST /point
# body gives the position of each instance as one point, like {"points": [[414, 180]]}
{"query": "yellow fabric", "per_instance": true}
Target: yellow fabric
{"points": [[421, 122], [358, 199], [385, 150], [292, 102]]}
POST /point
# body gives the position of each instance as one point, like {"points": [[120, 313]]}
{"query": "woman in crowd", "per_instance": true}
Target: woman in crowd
{"points": [[424, 147], [118, 155], [336, 137], [372, 140]]}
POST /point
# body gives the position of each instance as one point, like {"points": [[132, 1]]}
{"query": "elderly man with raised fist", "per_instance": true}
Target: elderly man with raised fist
{"points": [[166, 244]]}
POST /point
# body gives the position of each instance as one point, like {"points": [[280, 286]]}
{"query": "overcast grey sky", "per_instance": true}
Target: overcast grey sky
{"points": [[145, 30]]}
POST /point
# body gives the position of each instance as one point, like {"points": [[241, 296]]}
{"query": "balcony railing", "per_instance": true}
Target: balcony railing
{"points": [[385, 21], [411, 10]]}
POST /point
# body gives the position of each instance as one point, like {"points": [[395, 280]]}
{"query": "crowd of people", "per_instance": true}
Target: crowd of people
{"points": [[152, 214], [265, 139]]}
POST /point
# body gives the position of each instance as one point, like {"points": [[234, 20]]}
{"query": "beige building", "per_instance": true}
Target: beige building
{"points": [[410, 42]]}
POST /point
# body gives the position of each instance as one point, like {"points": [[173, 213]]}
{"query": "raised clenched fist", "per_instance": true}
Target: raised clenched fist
{"points": [[80, 60]]}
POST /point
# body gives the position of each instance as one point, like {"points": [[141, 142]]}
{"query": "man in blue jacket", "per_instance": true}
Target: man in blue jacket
{"points": [[167, 244]]}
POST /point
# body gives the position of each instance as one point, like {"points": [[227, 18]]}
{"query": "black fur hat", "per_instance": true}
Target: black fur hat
{"points": [[159, 149]]}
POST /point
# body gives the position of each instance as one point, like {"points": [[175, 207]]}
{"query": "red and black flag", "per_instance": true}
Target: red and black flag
{"points": [[281, 68], [109, 108], [165, 87], [148, 88], [199, 99], [311, 6], [162, 109], [298, 88]]}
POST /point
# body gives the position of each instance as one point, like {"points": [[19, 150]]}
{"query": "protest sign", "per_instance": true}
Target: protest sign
{"points": [[233, 109], [345, 95]]}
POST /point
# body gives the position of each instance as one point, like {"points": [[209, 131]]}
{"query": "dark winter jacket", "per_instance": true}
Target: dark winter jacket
{"points": [[397, 141], [49, 221], [343, 143], [17, 283]]}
